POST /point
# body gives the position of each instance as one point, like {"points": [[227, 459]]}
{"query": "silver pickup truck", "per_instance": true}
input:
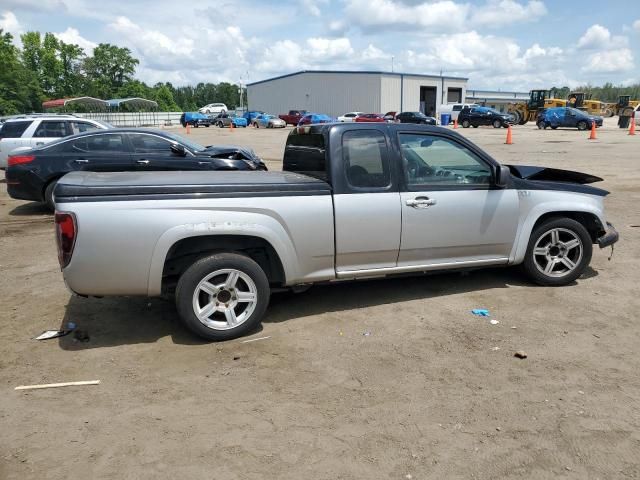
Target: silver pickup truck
{"points": [[354, 201]]}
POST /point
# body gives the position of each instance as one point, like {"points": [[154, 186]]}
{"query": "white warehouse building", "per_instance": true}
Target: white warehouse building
{"points": [[336, 92]]}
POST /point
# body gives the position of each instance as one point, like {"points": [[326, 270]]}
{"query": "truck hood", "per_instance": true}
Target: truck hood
{"points": [[530, 177]]}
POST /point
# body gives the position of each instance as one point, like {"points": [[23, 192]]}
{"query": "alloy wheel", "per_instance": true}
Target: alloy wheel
{"points": [[558, 252]]}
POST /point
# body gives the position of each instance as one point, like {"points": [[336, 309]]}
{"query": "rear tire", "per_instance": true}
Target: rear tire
{"points": [[559, 250], [48, 195], [222, 296], [465, 123]]}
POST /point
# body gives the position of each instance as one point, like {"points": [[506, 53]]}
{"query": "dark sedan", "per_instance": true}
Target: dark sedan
{"points": [[32, 174], [476, 116], [415, 117]]}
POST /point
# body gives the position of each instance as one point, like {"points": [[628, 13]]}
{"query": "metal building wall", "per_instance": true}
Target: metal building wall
{"points": [[390, 93], [330, 93], [411, 91]]}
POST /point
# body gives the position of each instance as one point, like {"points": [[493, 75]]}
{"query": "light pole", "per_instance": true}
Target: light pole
{"points": [[392, 63]]}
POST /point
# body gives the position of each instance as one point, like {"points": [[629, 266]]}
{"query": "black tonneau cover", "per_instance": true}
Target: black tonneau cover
{"points": [[92, 186]]}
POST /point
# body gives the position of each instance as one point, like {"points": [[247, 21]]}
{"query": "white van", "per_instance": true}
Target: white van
{"points": [[454, 109]]}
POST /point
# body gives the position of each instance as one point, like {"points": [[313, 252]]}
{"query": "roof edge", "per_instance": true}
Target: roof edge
{"points": [[365, 72]]}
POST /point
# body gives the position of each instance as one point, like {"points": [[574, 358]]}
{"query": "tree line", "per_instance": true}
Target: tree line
{"points": [[47, 68]]}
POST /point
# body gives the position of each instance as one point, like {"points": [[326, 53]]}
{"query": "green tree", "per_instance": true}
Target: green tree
{"points": [[109, 69], [19, 87], [164, 97], [71, 75]]}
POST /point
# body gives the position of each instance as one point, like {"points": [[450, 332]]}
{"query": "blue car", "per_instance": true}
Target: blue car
{"points": [[239, 122], [313, 118], [195, 119], [566, 117], [250, 115]]}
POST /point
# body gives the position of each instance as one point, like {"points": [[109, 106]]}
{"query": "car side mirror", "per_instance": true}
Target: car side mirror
{"points": [[502, 176], [178, 149]]}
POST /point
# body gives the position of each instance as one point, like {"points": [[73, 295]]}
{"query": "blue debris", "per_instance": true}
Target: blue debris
{"points": [[481, 312]]}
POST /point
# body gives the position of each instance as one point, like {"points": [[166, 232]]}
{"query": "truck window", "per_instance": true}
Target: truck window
{"points": [[366, 158], [305, 153], [431, 161]]}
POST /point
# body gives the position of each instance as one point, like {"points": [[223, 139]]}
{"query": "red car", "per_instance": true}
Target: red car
{"points": [[370, 117]]}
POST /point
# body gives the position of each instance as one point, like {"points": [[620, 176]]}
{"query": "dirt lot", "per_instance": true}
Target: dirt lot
{"points": [[425, 395]]}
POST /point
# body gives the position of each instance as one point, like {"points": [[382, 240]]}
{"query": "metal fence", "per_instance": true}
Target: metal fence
{"points": [[135, 119]]}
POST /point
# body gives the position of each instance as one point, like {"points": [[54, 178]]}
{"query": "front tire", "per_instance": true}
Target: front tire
{"points": [[222, 296], [559, 250], [582, 125], [465, 123], [497, 124]]}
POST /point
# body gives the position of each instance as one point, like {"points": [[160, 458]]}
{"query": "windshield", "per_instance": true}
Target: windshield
{"points": [[193, 146], [575, 111]]}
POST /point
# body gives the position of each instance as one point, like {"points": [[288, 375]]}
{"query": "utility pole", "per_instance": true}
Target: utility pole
{"points": [[392, 63]]}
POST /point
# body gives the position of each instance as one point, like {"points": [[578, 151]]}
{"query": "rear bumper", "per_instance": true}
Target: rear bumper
{"points": [[24, 185], [610, 236]]}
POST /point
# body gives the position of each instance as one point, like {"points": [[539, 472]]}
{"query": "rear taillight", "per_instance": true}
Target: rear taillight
{"points": [[66, 231], [19, 159]]}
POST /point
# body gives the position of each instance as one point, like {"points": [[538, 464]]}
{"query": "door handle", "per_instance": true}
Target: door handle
{"points": [[142, 162], [421, 202], [204, 163], [39, 143], [81, 160]]}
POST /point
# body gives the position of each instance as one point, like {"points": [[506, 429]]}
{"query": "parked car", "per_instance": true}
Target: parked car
{"points": [[454, 109], [195, 119], [476, 116], [293, 117], [415, 117], [314, 118], [349, 117], [213, 108], [250, 115], [390, 116], [268, 121], [33, 174], [225, 120], [567, 117], [354, 201], [370, 117], [35, 130], [636, 115]]}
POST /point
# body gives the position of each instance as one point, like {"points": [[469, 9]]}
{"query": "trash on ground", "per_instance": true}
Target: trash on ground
{"points": [[255, 339], [481, 312], [49, 334], [56, 385], [495, 349], [494, 322], [366, 334], [513, 328], [520, 354]]}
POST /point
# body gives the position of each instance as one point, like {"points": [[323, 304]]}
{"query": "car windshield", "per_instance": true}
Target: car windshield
{"points": [[575, 111], [494, 111], [418, 114], [193, 146]]}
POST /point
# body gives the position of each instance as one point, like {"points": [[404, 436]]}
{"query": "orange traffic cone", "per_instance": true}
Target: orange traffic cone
{"points": [[509, 136], [231, 125], [632, 129], [455, 123], [592, 136], [188, 129]]}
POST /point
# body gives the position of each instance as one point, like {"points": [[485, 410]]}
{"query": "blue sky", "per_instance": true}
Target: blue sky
{"points": [[498, 44]]}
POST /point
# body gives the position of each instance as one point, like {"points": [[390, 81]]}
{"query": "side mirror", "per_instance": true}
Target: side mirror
{"points": [[178, 149], [502, 176]]}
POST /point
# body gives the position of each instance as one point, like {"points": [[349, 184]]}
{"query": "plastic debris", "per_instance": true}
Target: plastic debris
{"points": [[255, 339], [495, 349], [520, 354], [366, 334], [56, 385], [481, 312], [494, 321], [49, 334]]}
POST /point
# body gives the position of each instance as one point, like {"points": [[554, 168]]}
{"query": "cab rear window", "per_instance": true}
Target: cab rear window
{"points": [[305, 153], [14, 129]]}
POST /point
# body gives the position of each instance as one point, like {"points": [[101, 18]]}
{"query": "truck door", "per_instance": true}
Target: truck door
{"points": [[366, 201], [451, 213]]}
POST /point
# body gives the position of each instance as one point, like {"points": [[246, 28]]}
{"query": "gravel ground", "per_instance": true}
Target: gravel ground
{"points": [[378, 379]]}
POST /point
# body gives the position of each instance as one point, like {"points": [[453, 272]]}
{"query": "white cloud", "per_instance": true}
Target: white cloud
{"points": [[598, 37], [610, 61], [312, 7], [71, 35], [9, 23], [504, 12], [636, 25]]}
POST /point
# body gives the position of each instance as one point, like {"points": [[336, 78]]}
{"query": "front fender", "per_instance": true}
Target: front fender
{"points": [[534, 205]]}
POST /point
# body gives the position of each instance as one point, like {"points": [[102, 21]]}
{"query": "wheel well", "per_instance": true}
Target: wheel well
{"points": [[46, 185], [186, 251], [588, 220]]}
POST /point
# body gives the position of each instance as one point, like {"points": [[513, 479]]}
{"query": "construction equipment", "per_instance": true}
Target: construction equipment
{"points": [[538, 100], [583, 101], [624, 101]]}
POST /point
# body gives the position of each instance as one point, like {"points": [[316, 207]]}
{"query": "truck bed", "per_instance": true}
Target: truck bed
{"points": [[92, 186]]}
